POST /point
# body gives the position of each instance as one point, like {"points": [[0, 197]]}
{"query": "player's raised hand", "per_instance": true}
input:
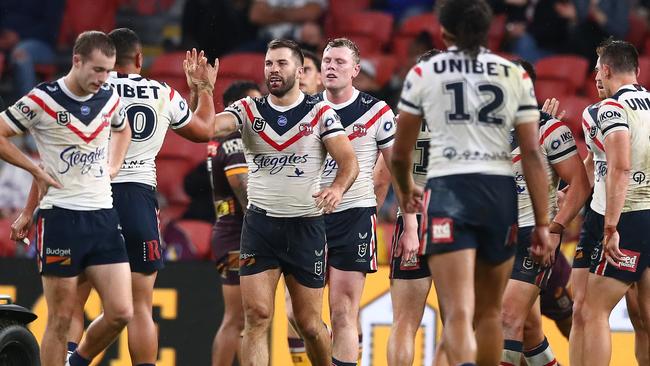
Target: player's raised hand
{"points": [[551, 106], [198, 71], [541, 246], [328, 198], [20, 227], [611, 240]]}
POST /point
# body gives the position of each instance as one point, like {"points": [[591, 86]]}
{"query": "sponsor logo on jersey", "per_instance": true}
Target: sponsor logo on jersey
{"points": [[329, 121], [555, 144], [442, 230], [63, 118], [25, 110], [85, 110], [86, 161], [246, 259], [638, 177], [359, 130], [630, 261], [388, 125], [567, 136], [259, 124], [282, 121], [449, 153], [607, 115], [275, 163], [366, 100], [306, 129]]}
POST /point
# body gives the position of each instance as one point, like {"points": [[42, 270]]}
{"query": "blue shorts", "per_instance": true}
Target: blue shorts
{"points": [[137, 208], [352, 239], [525, 269], [634, 243], [69, 241], [406, 270], [471, 211], [296, 245], [591, 235]]}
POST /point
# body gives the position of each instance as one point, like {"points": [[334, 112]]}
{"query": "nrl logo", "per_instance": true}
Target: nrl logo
{"points": [[63, 118], [259, 124], [363, 248], [318, 268]]}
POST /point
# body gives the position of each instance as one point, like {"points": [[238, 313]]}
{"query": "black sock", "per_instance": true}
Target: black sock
{"points": [[336, 362], [76, 360], [72, 347]]}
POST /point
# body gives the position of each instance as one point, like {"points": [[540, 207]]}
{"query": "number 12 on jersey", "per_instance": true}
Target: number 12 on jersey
{"points": [[491, 96]]}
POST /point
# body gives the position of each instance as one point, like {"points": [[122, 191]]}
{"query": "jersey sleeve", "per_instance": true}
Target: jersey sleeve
{"points": [[410, 100], [239, 110], [23, 114], [329, 123], [179, 110], [527, 110], [386, 130], [558, 142], [118, 118], [232, 151], [611, 118]]}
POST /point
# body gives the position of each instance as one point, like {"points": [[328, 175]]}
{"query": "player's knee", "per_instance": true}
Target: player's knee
{"points": [[258, 317], [458, 315], [59, 321], [310, 329], [119, 315], [343, 317], [511, 319]]}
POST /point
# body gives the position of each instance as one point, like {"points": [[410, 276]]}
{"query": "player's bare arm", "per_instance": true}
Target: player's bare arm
{"points": [[340, 148], [201, 77], [119, 144], [617, 151], [408, 194], [589, 166], [239, 185], [23, 223], [12, 155], [409, 242], [381, 180], [537, 182]]}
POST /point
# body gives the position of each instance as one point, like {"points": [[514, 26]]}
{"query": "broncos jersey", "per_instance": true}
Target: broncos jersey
{"points": [[152, 108], [556, 145], [629, 110], [595, 143], [370, 126], [71, 135], [470, 106], [285, 152]]}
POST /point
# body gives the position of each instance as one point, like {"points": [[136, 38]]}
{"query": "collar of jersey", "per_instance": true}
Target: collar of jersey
{"points": [[355, 94], [455, 49], [113, 75], [70, 94], [281, 108]]}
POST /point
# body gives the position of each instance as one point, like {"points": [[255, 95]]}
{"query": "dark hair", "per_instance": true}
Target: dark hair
{"points": [[312, 56], [89, 41], [468, 22], [530, 69], [621, 56], [127, 44], [347, 43], [428, 54], [287, 43], [237, 90]]}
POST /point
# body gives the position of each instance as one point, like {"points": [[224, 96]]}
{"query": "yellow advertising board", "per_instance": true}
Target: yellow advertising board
{"points": [[376, 319]]}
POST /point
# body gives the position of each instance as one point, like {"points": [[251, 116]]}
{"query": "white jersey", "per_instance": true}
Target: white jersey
{"points": [[370, 125], [285, 152], [556, 145], [71, 135], [629, 110], [152, 108], [595, 143], [470, 106]]}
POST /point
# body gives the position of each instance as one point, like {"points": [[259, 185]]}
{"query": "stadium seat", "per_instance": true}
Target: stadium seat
{"points": [[168, 67], [497, 32], [242, 66], [199, 234], [644, 74], [637, 32], [416, 24], [546, 89], [569, 69], [367, 45], [582, 147], [385, 66], [574, 105], [83, 15], [338, 9], [374, 24]]}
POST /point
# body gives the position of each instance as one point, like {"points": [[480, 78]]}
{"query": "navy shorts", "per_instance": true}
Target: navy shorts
{"points": [[225, 246], [352, 239], [137, 208], [556, 300], [634, 243], [525, 269], [471, 211], [69, 241], [591, 235], [406, 270], [296, 245]]}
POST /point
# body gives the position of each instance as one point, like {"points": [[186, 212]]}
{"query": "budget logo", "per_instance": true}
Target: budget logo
{"points": [[59, 256]]}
